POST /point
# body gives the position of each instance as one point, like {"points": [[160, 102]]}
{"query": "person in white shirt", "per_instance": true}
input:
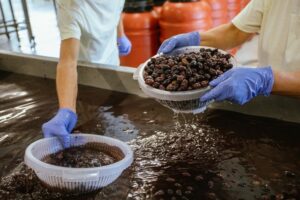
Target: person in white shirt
{"points": [[91, 30], [278, 24]]}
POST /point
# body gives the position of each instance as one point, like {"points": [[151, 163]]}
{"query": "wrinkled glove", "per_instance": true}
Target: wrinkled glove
{"points": [[124, 46], [61, 126], [182, 40], [240, 85]]}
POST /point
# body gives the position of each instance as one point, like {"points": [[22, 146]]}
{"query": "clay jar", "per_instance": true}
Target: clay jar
{"points": [[157, 6], [245, 3], [182, 16], [234, 7], [219, 11], [141, 27]]}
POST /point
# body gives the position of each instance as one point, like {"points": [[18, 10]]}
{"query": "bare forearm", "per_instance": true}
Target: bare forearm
{"points": [[66, 85], [225, 37], [66, 75], [120, 28], [286, 83]]}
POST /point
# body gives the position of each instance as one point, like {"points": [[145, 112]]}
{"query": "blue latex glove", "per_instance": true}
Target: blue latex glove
{"points": [[124, 46], [240, 85], [61, 126], [182, 40]]}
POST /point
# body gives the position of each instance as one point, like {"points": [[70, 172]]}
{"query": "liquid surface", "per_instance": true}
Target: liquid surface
{"points": [[83, 156], [215, 155]]}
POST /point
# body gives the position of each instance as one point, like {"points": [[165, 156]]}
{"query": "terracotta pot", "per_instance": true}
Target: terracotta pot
{"points": [[219, 11], [234, 7], [245, 3], [184, 16], [158, 6], [157, 11], [141, 27]]}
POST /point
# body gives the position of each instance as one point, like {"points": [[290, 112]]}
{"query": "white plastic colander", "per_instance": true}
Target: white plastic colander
{"points": [[80, 180], [178, 101]]}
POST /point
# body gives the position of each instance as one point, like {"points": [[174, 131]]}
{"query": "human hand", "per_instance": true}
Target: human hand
{"points": [[61, 126], [124, 46], [240, 85], [182, 40]]}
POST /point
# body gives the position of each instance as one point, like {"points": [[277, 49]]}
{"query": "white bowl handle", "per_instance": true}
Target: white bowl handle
{"points": [[137, 71]]}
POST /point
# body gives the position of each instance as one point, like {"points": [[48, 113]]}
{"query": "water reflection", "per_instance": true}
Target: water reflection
{"points": [[216, 155]]}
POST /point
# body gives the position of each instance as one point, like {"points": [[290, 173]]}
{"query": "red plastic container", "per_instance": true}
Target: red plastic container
{"points": [[234, 7], [141, 27], [157, 11], [219, 11], [157, 6], [245, 3], [184, 16]]}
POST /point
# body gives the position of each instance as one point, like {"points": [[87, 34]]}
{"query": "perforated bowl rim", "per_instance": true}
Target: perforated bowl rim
{"points": [[127, 157], [176, 95]]}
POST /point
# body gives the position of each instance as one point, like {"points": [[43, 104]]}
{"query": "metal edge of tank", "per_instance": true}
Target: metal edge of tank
{"points": [[108, 77], [121, 79]]}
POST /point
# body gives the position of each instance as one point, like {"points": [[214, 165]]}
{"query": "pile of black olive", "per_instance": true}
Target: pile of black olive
{"points": [[187, 71]]}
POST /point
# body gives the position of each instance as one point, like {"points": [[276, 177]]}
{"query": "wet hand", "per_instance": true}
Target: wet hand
{"points": [[124, 46], [241, 84], [61, 126]]}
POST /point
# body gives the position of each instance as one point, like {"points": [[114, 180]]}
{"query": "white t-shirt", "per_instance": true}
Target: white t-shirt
{"points": [[247, 54], [278, 25], [94, 23]]}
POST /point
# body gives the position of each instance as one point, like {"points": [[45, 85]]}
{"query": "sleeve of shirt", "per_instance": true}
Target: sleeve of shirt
{"points": [[250, 18], [68, 23]]}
